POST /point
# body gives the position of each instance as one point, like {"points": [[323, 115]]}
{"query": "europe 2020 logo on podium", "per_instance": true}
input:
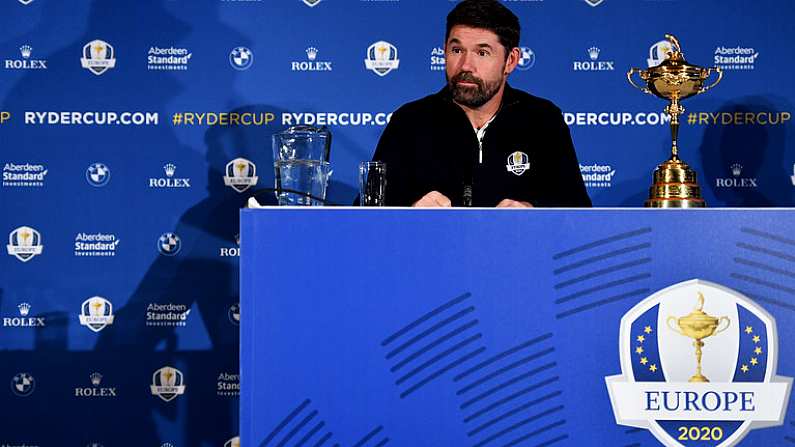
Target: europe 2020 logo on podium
{"points": [[698, 363]]}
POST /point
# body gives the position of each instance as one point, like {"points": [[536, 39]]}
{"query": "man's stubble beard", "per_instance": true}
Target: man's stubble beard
{"points": [[473, 96]]}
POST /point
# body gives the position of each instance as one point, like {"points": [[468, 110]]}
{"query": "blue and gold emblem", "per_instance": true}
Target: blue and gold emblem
{"points": [[698, 364], [518, 163], [24, 243]]}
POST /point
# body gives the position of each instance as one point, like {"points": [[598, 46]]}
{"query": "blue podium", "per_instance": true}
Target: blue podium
{"points": [[483, 327]]}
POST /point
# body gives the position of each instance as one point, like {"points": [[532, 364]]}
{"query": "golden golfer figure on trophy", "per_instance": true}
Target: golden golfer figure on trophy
{"points": [[698, 326], [675, 184]]}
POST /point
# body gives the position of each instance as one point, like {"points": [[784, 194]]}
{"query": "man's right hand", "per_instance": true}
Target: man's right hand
{"points": [[432, 200]]}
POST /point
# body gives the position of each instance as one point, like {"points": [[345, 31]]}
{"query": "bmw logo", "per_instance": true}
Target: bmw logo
{"points": [[527, 59], [241, 58], [169, 244], [23, 384], [234, 314], [98, 175]]}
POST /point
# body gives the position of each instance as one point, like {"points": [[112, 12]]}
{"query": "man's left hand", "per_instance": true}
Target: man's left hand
{"points": [[510, 203]]}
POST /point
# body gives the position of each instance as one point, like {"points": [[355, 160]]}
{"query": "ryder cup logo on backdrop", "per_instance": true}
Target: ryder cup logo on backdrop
{"points": [[527, 58], [594, 2], [382, 57], [24, 243], [98, 175], [167, 383], [311, 3], [96, 313], [241, 58], [658, 53], [241, 174], [698, 363], [518, 163], [98, 57]]}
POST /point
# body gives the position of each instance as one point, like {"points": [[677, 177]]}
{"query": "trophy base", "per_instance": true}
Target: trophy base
{"points": [[675, 203], [698, 378], [675, 186]]}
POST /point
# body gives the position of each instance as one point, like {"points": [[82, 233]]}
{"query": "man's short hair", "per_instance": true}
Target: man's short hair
{"points": [[486, 14]]}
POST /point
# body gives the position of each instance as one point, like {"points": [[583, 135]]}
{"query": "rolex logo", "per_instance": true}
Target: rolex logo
{"points": [[311, 64], [23, 320], [96, 379], [311, 53], [170, 169], [737, 169], [25, 50], [24, 309], [593, 63], [169, 181]]}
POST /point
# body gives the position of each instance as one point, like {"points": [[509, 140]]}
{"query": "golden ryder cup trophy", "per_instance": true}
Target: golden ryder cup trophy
{"points": [[675, 184], [698, 326]]}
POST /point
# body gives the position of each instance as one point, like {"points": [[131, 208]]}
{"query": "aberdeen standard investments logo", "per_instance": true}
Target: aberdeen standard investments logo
{"points": [[698, 364]]}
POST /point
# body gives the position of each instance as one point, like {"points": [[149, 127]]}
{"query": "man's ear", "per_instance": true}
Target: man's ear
{"points": [[512, 60]]}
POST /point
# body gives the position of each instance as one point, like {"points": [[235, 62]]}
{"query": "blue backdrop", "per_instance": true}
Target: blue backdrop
{"points": [[119, 121]]}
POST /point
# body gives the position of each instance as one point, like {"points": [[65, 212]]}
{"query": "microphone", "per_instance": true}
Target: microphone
{"points": [[467, 195]]}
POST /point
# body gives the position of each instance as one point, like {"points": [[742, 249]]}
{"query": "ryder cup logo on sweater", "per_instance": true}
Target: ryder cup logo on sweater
{"points": [[594, 2], [98, 57], [698, 364], [518, 163], [234, 442], [24, 243], [96, 313], [382, 57], [241, 174], [167, 383], [311, 3]]}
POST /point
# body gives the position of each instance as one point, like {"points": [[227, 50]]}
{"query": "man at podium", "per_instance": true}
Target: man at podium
{"points": [[479, 142]]}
